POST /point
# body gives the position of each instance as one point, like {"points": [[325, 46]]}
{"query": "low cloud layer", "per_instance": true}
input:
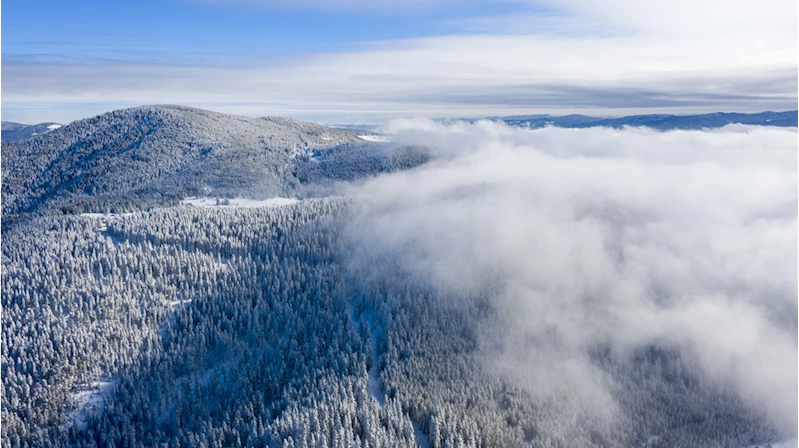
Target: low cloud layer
{"points": [[616, 237]]}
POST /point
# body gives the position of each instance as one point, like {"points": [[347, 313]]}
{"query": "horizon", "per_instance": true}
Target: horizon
{"points": [[354, 61], [376, 123]]}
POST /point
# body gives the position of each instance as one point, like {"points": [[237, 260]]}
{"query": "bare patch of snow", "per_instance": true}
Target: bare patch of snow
{"points": [[90, 400], [103, 219], [375, 388], [53, 126], [106, 215], [375, 138], [351, 317], [422, 439], [237, 202], [374, 374], [177, 303]]}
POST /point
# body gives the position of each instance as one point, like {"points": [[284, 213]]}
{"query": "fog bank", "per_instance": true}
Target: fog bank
{"points": [[619, 238]]}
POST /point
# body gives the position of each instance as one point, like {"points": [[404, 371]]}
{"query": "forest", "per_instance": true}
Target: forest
{"points": [[385, 308]]}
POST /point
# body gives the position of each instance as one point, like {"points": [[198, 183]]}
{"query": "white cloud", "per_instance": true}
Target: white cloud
{"points": [[613, 58], [627, 238], [705, 18]]}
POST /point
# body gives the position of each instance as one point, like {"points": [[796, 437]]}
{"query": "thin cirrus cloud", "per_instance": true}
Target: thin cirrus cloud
{"points": [[574, 56]]}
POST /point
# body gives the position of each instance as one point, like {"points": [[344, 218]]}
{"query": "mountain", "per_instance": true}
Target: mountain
{"points": [[14, 132], [659, 122], [157, 155]]}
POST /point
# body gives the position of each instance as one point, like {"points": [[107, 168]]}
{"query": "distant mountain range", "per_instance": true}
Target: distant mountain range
{"points": [[157, 155], [659, 122], [14, 132]]}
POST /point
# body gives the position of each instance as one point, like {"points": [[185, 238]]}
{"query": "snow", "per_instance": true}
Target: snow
{"points": [[104, 218], [375, 138], [106, 215], [375, 390], [90, 400], [374, 373], [176, 303], [53, 126], [788, 444], [422, 439], [237, 202]]}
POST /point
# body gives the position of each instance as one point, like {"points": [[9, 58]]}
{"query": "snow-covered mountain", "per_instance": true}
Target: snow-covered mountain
{"points": [[14, 132], [157, 155], [659, 121]]}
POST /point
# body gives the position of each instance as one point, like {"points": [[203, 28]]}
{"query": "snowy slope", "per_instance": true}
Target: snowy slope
{"points": [[156, 155], [14, 132]]}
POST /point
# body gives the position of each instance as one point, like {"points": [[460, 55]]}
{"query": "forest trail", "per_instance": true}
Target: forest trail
{"points": [[422, 439], [375, 388]]}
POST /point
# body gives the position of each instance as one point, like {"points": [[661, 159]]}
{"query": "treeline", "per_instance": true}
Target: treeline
{"points": [[349, 162]]}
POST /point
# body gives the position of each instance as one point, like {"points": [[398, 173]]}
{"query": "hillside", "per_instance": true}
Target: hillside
{"points": [[156, 155], [14, 132]]}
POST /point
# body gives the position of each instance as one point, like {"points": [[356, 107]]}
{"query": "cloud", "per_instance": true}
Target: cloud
{"points": [[598, 236], [609, 58], [437, 76], [623, 16], [706, 18]]}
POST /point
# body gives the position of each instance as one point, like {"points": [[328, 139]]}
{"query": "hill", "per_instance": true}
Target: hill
{"points": [[156, 155], [14, 132]]}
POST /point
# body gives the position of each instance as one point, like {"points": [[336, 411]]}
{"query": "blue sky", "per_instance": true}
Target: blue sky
{"points": [[49, 30], [365, 61]]}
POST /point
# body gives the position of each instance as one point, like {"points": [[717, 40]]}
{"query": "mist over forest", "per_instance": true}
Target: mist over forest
{"points": [[399, 224], [618, 239], [178, 277]]}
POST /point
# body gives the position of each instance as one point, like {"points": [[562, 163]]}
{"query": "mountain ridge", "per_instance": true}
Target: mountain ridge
{"points": [[136, 158], [161, 150], [661, 122], [13, 132]]}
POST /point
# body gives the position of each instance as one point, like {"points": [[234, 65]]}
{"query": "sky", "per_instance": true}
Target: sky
{"points": [[357, 61]]}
